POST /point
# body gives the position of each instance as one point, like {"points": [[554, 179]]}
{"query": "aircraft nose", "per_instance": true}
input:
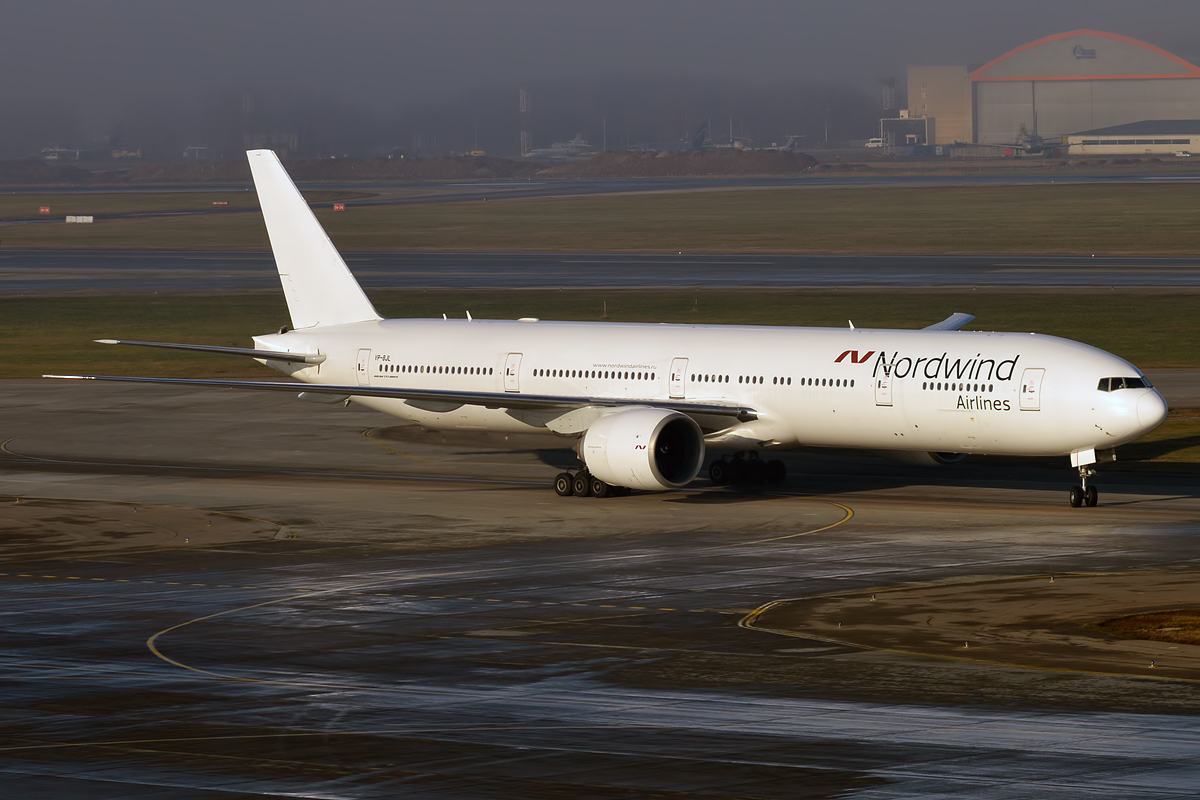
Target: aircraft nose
{"points": [[1151, 410]]}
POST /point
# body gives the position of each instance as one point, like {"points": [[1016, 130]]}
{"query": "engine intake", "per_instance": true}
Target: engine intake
{"points": [[644, 448]]}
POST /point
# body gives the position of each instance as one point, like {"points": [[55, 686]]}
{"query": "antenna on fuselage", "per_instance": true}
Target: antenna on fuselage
{"points": [[851, 323]]}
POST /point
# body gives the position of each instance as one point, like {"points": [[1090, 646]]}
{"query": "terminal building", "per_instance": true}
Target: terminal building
{"points": [[1082, 84]]}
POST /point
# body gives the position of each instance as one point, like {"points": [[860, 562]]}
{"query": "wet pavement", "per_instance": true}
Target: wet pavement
{"points": [[209, 598]]}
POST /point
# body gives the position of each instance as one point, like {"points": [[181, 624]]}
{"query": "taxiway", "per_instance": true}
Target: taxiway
{"points": [[215, 594]]}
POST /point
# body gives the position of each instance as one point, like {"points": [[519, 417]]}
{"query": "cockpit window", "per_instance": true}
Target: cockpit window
{"points": [[1113, 384]]}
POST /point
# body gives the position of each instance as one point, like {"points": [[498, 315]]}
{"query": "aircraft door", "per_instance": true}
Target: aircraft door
{"points": [[883, 388], [512, 373], [363, 371], [1031, 389], [679, 378]]}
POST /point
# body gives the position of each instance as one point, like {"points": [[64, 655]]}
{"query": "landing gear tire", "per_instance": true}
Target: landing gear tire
{"points": [[1084, 495], [1076, 496], [581, 484], [563, 484], [598, 488], [718, 472], [776, 471]]}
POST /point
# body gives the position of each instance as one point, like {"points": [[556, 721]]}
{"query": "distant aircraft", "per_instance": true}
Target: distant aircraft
{"points": [[641, 403], [1034, 144], [573, 150]]}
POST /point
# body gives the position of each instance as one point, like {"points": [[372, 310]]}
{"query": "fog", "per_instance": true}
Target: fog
{"points": [[362, 78]]}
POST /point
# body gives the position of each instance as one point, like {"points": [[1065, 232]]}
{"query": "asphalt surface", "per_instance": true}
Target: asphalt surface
{"points": [[37, 272], [221, 595]]}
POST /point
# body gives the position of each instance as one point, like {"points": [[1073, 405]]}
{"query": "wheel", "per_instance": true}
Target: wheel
{"points": [[776, 471], [1076, 496], [718, 471], [737, 471], [756, 471], [580, 484], [1091, 497], [598, 488], [562, 484]]}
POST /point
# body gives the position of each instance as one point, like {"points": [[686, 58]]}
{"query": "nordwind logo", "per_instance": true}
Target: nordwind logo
{"points": [[854, 357], [944, 368]]}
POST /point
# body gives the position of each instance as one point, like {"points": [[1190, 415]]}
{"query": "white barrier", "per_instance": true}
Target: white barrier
{"points": [[79, 218]]}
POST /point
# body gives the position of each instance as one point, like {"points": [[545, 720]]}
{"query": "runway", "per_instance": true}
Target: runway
{"points": [[214, 594], [36, 272]]}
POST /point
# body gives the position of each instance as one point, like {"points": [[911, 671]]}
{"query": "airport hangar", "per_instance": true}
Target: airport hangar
{"points": [[1081, 84]]}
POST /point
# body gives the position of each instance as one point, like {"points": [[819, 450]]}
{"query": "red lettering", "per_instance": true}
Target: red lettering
{"points": [[854, 357]]}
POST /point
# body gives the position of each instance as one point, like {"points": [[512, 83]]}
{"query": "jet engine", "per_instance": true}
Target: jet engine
{"points": [[644, 448], [920, 458]]}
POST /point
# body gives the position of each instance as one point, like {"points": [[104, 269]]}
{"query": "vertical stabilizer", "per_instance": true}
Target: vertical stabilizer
{"points": [[319, 287]]}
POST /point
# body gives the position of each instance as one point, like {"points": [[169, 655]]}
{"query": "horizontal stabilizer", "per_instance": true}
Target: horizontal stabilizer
{"points": [[485, 399], [270, 355], [951, 323]]}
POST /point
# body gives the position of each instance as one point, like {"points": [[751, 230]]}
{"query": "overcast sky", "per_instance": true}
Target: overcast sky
{"points": [[392, 52]]}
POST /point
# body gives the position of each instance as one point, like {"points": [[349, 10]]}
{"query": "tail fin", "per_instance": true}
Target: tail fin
{"points": [[319, 287]]}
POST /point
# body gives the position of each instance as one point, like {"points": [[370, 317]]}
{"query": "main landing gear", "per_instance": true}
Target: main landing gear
{"points": [[1084, 495], [744, 468], [584, 484]]}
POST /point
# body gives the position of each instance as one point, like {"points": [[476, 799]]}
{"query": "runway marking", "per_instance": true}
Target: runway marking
{"points": [[152, 642], [849, 515]]}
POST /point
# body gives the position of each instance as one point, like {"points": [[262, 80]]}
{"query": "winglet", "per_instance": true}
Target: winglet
{"points": [[951, 323]]}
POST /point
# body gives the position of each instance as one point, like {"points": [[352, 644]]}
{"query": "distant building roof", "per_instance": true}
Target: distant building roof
{"points": [[1085, 55], [1148, 127]]}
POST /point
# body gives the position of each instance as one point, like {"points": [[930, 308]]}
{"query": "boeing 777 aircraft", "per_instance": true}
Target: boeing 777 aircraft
{"points": [[640, 403]]}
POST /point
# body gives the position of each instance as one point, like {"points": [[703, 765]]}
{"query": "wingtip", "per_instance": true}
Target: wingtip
{"points": [[107, 341], [69, 377]]}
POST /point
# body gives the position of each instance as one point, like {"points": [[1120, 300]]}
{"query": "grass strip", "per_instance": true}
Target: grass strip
{"points": [[53, 334], [1053, 218], [1180, 627]]}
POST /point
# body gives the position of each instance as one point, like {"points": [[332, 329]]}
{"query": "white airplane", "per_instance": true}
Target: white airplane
{"points": [[640, 403]]}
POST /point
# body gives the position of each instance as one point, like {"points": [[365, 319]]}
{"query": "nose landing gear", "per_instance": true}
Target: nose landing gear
{"points": [[1084, 495]]}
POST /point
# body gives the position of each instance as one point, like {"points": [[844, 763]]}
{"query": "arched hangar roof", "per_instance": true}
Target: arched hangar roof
{"points": [[1085, 56]]}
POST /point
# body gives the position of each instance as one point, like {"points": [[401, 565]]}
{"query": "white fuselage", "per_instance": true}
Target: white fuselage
{"points": [[941, 391]]}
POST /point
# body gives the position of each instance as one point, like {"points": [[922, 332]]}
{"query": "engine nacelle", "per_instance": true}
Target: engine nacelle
{"points": [[644, 448], [920, 458]]}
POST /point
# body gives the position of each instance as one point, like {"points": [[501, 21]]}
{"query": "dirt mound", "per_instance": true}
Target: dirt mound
{"points": [[686, 163], [39, 172]]}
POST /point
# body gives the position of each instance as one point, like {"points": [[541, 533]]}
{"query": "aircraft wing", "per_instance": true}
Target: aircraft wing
{"points": [[270, 355], [486, 399], [951, 323]]}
